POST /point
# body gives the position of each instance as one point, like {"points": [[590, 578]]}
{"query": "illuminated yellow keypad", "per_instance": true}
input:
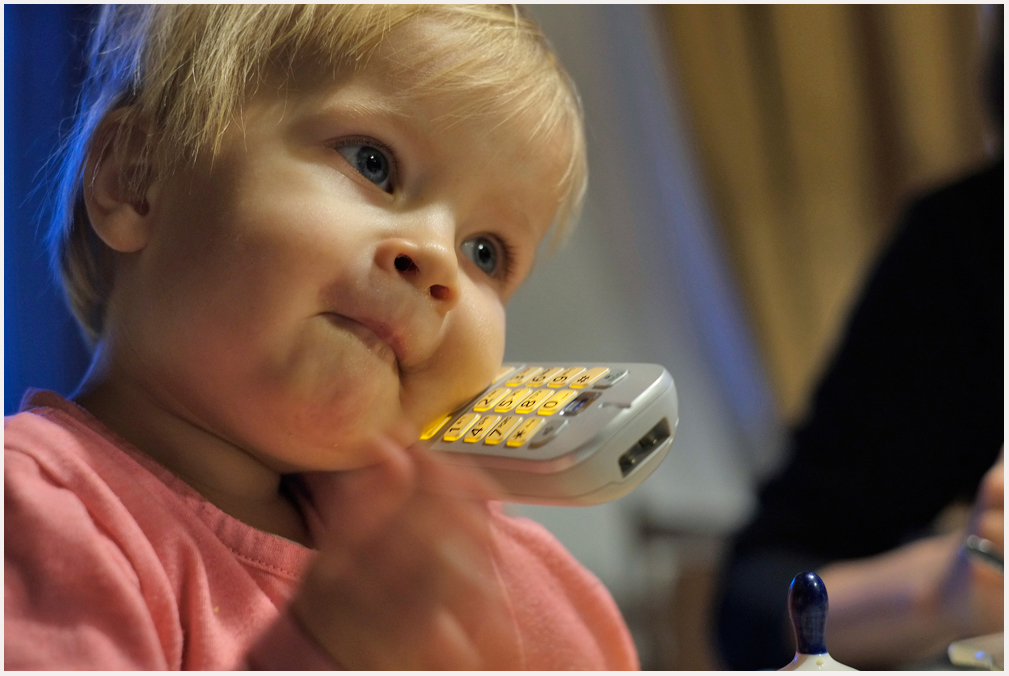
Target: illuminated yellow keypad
{"points": [[502, 429], [532, 402], [509, 402], [502, 372], [434, 426], [482, 427], [524, 432], [460, 426], [556, 400], [522, 376], [488, 400], [543, 377], [592, 375], [562, 378]]}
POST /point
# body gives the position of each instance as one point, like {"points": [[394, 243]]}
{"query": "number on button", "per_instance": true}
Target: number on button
{"points": [[460, 426], [508, 403], [502, 429], [532, 402], [562, 378], [541, 378], [556, 400], [523, 375], [476, 432], [491, 398]]}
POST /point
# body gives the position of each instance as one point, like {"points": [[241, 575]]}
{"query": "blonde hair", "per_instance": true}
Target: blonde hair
{"points": [[180, 74]]}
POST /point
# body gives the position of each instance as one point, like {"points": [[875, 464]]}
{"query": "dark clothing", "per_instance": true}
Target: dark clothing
{"points": [[906, 420]]}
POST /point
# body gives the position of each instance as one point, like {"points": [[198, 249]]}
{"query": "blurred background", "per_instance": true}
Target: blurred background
{"points": [[747, 163]]}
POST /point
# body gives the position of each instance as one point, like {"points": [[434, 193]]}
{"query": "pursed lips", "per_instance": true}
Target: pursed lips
{"points": [[376, 335]]}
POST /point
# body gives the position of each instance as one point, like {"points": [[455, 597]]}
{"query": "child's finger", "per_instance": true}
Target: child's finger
{"points": [[354, 505], [437, 475], [454, 532], [466, 581], [439, 518], [477, 598], [454, 575], [432, 538], [451, 646], [426, 532]]}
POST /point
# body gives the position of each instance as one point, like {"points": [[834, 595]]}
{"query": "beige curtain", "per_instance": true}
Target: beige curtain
{"points": [[811, 125]]}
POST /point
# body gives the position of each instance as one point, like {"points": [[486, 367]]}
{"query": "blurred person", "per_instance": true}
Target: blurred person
{"points": [[905, 424]]}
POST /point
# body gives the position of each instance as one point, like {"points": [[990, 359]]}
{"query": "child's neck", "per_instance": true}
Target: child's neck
{"points": [[228, 476]]}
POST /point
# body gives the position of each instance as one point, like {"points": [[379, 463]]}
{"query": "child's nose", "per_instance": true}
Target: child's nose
{"points": [[431, 267]]}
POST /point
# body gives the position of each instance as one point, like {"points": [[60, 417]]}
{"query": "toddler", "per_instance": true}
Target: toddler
{"points": [[290, 233]]}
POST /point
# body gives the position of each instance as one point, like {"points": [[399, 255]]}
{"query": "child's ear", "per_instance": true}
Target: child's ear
{"points": [[119, 185]]}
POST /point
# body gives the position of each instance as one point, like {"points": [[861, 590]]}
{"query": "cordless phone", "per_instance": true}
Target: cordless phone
{"points": [[564, 433]]}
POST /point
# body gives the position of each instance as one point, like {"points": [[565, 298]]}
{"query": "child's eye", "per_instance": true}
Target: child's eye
{"points": [[373, 163], [489, 254]]}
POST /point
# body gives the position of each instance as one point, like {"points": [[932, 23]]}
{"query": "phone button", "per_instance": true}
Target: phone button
{"points": [[491, 398], [502, 429], [524, 431], [611, 380], [562, 378], [476, 432], [532, 402], [556, 400], [434, 426], [541, 378], [523, 375], [508, 403], [460, 426], [589, 377], [580, 403], [549, 431]]}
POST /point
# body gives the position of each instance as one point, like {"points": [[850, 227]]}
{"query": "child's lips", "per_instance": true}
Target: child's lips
{"points": [[374, 334]]}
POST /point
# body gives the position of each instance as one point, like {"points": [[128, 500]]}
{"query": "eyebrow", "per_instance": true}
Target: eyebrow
{"points": [[362, 107]]}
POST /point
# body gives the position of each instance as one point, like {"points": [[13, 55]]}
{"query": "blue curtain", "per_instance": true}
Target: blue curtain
{"points": [[43, 46]]}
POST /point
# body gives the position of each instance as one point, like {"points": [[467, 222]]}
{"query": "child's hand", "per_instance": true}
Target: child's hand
{"points": [[404, 577]]}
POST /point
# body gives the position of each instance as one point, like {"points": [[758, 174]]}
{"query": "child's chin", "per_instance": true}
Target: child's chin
{"points": [[339, 454], [325, 433]]}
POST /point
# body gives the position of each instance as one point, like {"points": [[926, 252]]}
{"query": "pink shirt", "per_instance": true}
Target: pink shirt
{"points": [[111, 562]]}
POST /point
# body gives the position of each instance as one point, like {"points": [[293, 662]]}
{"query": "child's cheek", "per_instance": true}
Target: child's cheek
{"points": [[464, 365]]}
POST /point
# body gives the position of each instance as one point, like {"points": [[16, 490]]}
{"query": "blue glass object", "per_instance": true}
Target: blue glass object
{"points": [[807, 607]]}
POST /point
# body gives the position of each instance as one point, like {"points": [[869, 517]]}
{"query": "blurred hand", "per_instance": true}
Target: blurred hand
{"points": [[988, 520], [404, 578], [972, 591], [909, 603]]}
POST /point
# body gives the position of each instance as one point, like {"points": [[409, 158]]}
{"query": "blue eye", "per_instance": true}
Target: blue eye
{"points": [[486, 254], [370, 162]]}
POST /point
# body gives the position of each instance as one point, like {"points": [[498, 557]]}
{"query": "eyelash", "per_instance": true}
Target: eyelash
{"points": [[507, 258], [389, 153]]}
